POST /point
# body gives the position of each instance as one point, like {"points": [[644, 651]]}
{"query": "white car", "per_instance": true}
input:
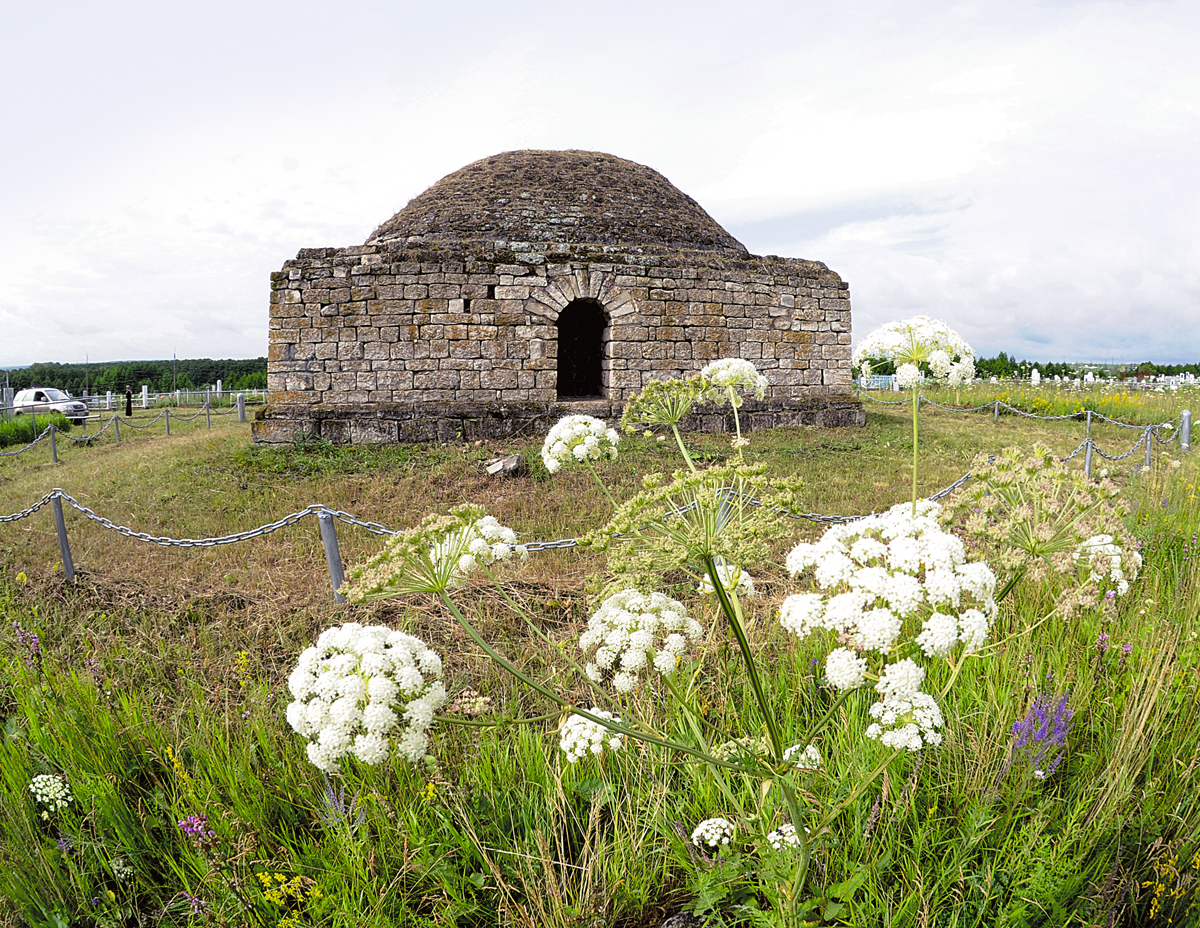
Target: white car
{"points": [[39, 401]]}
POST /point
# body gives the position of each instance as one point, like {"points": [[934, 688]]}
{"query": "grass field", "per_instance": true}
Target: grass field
{"points": [[156, 689]]}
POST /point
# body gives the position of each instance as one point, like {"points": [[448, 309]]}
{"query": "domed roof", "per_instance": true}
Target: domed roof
{"points": [[570, 197]]}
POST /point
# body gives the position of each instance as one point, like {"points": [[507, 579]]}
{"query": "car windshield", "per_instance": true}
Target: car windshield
{"points": [[56, 395]]}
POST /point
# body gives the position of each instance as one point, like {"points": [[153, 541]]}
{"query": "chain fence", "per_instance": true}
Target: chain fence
{"points": [[1179, 429], [327, 516], [117, 422]]}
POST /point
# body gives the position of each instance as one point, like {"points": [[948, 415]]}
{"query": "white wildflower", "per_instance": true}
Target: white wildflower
{"points": [[347, 690], [630, 633], [907, 723], [845, 670], [806, 758], [784, 837], [908, 376], [939, 635], [731, 374], [51, 791], [901, 679], [713, 833], [578, 438], [580, 737]]}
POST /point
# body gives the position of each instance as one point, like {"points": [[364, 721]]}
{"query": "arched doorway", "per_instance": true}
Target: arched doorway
{"points": [[581, 335]]}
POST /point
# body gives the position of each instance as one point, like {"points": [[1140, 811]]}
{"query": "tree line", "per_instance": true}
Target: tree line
{"points": [[159, 376], [1004, 366]]}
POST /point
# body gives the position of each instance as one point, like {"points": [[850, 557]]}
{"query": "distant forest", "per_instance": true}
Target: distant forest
{"points": [[1004, 366], [160, 376]]}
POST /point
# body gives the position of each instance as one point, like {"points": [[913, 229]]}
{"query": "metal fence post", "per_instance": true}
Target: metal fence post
{"points": [[1185, 430], [1087, 457], [167, 416], [332, 555], [207, 416], [996, 412], [241, 407], [1149, 443], [60, 526], [53, 445], [117, 427]]}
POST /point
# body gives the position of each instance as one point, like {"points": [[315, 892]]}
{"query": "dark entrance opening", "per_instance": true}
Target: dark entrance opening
{"points": [[581, 327]]}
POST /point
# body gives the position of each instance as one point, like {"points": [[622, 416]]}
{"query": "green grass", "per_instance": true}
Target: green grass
{"points": [[21, 430], [157, 654]]}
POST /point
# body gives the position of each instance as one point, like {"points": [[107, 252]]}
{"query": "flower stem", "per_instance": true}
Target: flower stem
{"points": [[739, 632], [679, 441], [737, 425], [915, 406], [601, 482]]}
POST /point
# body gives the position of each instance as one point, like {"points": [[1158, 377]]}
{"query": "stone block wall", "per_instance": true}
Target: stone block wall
{"points": [[371, 334]]}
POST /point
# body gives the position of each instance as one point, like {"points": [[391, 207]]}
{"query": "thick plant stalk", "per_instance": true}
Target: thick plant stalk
{"points": [[679, 441], [915, 408], [739, 632]]}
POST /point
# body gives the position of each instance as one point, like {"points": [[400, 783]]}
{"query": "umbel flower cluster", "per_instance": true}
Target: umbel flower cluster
{"points": [[52, 792], [911, 342], [632, 633], [720, 380], [888, 580], [712, 833], [578, 438], [581, 737], [1106, 564], [364, 691], [1030, 515], [436, 555]]}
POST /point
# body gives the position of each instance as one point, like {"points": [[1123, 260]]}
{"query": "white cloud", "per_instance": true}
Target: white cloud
{"points": [[1026, 171]]}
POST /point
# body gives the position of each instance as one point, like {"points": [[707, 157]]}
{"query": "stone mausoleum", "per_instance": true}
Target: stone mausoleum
{"points": [[533, 284]]}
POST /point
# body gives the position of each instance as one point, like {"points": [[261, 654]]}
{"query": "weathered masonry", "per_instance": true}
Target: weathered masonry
{"points": [[536, 283]]}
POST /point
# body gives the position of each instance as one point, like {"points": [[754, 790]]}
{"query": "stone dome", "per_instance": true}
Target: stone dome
{"points": [[566, 197]]}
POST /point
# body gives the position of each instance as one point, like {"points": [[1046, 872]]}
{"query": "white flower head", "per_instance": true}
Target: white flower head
{"points": [[580, 737], [844, 669], [633, 633], [713, 833], [908, 376], [721, 379], [901, 679], [578, 439], [784, 837], [51, 791], [352, 689], [909, 342], [807, 759], [907, 723]]}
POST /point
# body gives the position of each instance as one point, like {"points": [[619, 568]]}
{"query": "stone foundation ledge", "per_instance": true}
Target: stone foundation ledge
{"points": [[391, 423]]}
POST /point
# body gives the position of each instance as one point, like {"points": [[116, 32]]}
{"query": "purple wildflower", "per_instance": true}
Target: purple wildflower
{"points": [[337, 810], [196, 828], [1042, 735], [31, 643], [65, 844], [1102, 642], [198, 905]]}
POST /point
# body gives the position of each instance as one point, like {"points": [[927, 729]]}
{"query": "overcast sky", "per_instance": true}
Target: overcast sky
{"points": [[1028, 172]]}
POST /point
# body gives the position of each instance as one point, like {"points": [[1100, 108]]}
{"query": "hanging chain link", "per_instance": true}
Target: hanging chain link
{"points": [[13, 454]]}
